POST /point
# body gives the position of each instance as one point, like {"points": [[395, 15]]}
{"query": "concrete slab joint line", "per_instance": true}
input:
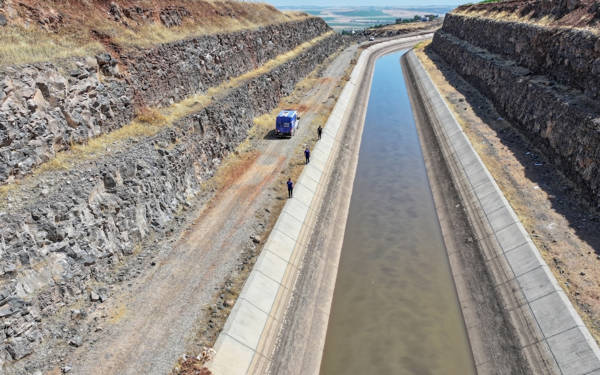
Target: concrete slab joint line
{"points": [[239, 346], [572, 346]]}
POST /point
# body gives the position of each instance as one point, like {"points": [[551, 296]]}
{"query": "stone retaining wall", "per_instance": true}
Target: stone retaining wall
{"points": [[568, 55]]}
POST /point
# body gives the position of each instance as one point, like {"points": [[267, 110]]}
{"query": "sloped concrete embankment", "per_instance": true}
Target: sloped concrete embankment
{"points": [[47, 107], [544, 80], [66, 228], [251, 334], [550, 334]]}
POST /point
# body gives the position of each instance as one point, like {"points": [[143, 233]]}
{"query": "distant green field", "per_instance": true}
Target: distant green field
{"points": [[362, 13], [362, 17]]}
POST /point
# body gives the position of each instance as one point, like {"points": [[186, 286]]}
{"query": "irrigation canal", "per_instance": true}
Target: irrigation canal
{"points": [[395, 309]]}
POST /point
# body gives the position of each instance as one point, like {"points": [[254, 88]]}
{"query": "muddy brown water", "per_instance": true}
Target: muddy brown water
{"points": [[395, 308]]}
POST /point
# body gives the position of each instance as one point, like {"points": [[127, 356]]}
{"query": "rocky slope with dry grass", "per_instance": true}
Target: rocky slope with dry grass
{"points": [[538, 61], [101, 152], [48, 107]]}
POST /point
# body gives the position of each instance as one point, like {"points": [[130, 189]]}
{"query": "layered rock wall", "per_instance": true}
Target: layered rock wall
{"points": [[568, 55], [536, 80], [171, 72], [73, 226], [47, 107]]}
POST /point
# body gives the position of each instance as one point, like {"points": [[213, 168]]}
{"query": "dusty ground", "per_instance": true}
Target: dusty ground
{"points": [[559, 221], [181, 298]]}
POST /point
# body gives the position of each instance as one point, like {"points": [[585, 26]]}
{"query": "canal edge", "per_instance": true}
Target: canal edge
{"points": [[550, 333], [250, 332]]}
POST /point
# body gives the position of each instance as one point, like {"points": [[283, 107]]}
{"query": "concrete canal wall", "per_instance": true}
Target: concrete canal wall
{"points": [[549, 323], [250, 336]]}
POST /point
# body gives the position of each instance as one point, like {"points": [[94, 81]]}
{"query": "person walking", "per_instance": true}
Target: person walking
{"points": [[319, 131], [307, 155], [290, 185]]}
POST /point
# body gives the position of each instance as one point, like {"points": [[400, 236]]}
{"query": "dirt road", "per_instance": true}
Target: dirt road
{"points": [[155, 321]]}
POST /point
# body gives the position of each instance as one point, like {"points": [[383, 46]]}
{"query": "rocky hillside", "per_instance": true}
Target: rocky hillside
{"points": [[539, 63], [47, 107], [100, 152]]}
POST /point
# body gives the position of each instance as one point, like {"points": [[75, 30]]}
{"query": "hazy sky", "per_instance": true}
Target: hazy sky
{"points": [[395, 3]]}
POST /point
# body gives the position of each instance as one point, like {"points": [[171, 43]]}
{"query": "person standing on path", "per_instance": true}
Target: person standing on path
{"points": [[290, 185], [319, 131], [307, 155]]}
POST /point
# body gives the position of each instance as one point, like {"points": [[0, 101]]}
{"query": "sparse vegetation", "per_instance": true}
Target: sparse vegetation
{"points": [[421, 45], [151, 116], [22, 45], [196, 102], [150, 121], [59, 29]]}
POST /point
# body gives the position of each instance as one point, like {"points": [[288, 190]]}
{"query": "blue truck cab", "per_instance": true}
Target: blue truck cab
{"points": [[286, 123]]}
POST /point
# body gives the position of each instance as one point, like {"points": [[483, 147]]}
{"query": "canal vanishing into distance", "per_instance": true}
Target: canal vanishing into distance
{"points": [[395, 309]]}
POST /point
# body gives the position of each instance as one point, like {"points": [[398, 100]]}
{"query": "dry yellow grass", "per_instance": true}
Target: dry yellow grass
{"points": [[151, 116], [422, 45], [545, 21], [150, 121], [195, 103], [155, 33], [25, 41], [20, 45]]}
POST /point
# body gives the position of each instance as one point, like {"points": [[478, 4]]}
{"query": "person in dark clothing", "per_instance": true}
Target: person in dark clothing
{"points": [[319, 131], [307, 155], [290, 185]]}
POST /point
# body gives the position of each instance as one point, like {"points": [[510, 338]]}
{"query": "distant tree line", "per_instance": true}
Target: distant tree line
{"points": [[427, 17]]}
